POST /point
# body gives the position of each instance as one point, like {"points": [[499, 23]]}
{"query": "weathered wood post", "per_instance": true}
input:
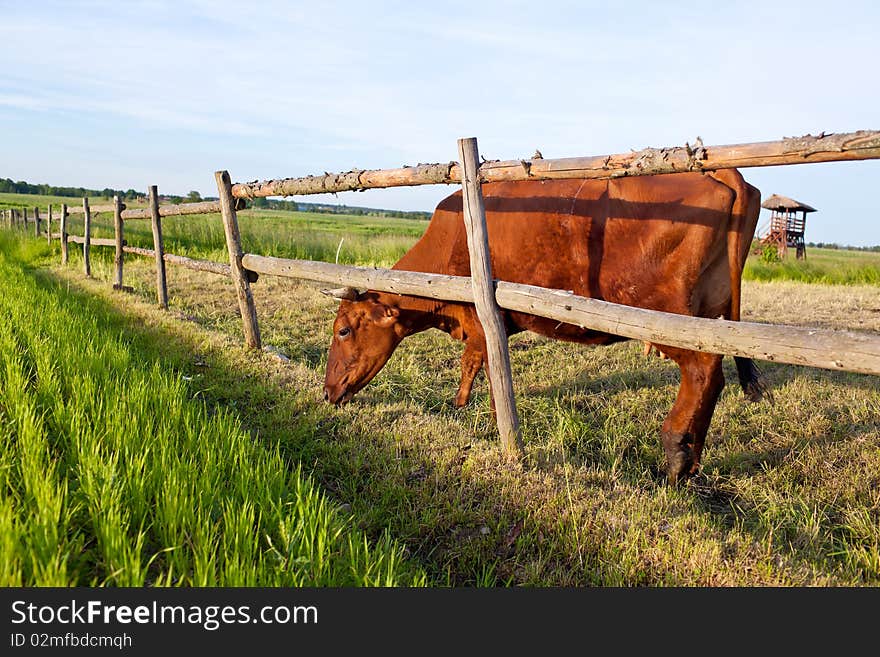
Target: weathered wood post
{"points": [[24, 214], [117, 228], [238, 273], [36, 221], [158, 247], [500, 379], [64, 233], [87, 236], [49, 224]]}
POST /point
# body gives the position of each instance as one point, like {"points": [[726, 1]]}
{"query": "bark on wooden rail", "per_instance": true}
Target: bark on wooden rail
{"points": [[860, 145], [205, 207], [182, 261], [93, 241], [97, 209], [796, 345]]}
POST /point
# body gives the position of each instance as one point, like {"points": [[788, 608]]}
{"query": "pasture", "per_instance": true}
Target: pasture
{"points": [[822, 265], [113, 472], [788, 494]]}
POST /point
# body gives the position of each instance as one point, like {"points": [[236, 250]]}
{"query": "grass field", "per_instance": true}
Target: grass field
{"points": [[343, 238], [113, 472], [827, 266], [788, 495]]}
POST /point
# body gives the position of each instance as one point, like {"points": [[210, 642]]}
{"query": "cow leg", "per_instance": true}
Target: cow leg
{"points": [[684, 430], [471, 362]]}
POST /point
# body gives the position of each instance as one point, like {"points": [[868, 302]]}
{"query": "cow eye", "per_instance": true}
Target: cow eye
{"points": [[344, 331]]}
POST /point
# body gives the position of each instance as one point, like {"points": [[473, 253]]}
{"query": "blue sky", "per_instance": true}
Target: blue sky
{"points": [[128, 94]]}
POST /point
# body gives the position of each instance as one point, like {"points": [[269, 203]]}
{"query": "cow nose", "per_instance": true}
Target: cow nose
{"points": [[326, 394]]}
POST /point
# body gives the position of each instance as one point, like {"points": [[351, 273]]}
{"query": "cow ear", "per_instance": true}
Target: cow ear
{"points": [[383, 315]]}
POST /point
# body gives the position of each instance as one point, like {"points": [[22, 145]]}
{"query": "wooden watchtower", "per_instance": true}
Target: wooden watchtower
{"points": [[785, 228]]}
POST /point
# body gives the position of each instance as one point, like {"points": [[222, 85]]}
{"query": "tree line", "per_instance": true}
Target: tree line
{"points": [[7, 185], [834, 245]]}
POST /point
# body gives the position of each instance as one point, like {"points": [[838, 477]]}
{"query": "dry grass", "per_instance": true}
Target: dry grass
{"points": [[789, 494], [825, 306]]}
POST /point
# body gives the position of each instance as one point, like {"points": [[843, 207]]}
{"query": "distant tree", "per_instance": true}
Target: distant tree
{"points": [[193, 197]]}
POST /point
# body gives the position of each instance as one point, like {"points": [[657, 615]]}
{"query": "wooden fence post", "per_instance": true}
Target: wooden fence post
{"points": [[239, 275], [158, 247], [64, 233], [87, 236], [500, 379], [49, 224], [36, 221], [24, 212], [117, 229]]}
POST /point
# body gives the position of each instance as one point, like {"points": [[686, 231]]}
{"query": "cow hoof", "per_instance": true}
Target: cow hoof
{"points": [[758, 390], [680, 465]]}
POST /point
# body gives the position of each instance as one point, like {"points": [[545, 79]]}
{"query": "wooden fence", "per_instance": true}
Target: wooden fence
{"points": [[154, 213], [840, 350]]}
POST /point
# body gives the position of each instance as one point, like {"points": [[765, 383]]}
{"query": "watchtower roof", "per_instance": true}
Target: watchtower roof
{"points": [[777, 202]]}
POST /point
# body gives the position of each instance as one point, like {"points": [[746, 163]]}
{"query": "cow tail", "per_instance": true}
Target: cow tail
{"points": [[744, 221]]}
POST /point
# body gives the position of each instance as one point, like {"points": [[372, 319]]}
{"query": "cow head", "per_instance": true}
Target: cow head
{"points": [[365, 334]]}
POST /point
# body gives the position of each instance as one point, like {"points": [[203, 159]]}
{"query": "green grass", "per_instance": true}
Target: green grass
{"points": [[825, 266], [347, 239], [112, 472]]}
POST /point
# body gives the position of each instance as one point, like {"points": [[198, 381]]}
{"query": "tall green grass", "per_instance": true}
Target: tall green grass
{"points": [[111, 473], [827, 266], [347, 239], [311, 236]]}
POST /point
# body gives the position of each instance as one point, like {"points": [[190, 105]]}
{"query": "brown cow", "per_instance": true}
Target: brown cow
{"points": [[675, 243]]}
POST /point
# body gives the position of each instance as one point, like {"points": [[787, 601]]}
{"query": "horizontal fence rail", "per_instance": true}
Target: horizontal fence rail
{"points": [[182, 261], [168, 210], [94, 241], [94, 209], [205, 207], [861, 145], [837, 350]]}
